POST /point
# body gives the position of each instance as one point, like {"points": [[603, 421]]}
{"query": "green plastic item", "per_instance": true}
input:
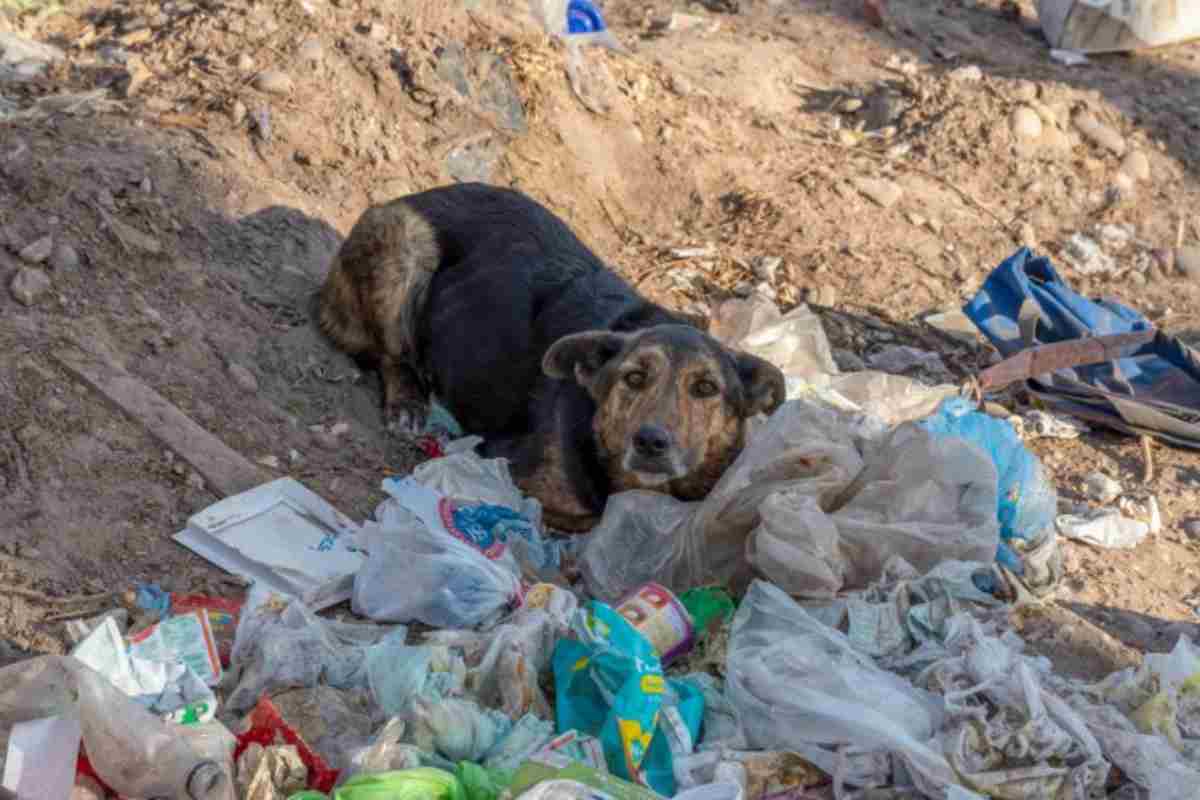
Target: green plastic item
{"points": [[480, 783], [422, 783], [534, 772], [710, 607]]}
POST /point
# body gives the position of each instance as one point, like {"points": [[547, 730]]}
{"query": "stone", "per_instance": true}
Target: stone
{"points": [[28, 285], [1192, 528], [243, 377], [245, 63], [884, 192], [195, 480], [237, 112], [273, 81], [497, 94], [38, 251], [340, 428], [848, 361], [1124, 184], [1025, 123], [1028, 236], [680, 85], [1085, 255], [766, 267], [474, 161], [326, 440], [1136, 165], [851, 104], [684, 22], [16, 50], [1101, 488], [967, 74], [1187, 261], [1098, 133], [826, 296], [311, 53], [270, 462], [897, 359], [131, 236]]}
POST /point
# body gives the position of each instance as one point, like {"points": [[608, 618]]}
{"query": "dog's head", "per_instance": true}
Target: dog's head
{"points": [[671, 403]]}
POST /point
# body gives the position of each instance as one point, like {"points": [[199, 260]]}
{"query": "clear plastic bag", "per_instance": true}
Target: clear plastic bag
{"points": [[800, 686], [134, 752], [450, 546], [280, 644], [813, 503], [505, 663]]}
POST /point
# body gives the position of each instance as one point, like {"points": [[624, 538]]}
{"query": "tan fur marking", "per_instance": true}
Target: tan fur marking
{"points": [[706, 430], [378, 282], [548, 483]]}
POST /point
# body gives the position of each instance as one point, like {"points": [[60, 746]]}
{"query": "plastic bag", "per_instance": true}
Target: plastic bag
{"points": [[562, 781], [648, 537], [801, 686], [797, 344], [508, 659], [281, 644], [1104, 26], [169, 688], [450, 547], [422, 783], [804, 507], [576, 21], [134, 752], [610, 684], [458, 729], [1027, 501]]}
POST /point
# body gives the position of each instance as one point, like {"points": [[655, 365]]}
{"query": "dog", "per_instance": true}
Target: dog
{"points": [[483, 298]]}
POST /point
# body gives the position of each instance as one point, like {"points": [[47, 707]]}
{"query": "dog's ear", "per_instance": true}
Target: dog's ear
{"points": [[763, 384], [580, 356]]}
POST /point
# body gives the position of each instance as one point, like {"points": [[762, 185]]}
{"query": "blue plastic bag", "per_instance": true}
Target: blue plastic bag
{"points": [[1028, 500], [609, 683]]}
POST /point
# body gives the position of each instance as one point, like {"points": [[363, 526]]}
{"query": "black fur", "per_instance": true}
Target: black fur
{"points": [[514, 279]]}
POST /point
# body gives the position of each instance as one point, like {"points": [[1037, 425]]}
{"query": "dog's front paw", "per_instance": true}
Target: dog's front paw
{"points": [[406, 419]]}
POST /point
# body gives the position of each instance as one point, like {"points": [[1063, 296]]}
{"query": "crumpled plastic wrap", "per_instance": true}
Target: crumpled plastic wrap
{"points": [[963, 707], [451, 545], [796, 343], [813, 503], [799, 685], [505, 662], [281, 644]]}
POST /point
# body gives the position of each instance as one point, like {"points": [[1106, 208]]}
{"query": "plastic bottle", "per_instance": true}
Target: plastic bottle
{"points": [[134, 752]]}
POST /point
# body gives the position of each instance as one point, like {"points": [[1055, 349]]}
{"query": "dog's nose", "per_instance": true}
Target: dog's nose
{"points": [[651, 440]]}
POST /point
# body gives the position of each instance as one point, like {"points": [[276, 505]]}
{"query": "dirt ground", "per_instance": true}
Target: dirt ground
{"points": [[196, 163]]}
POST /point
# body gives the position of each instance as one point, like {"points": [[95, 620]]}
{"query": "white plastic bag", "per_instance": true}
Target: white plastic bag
{"points": [[800, 686], [804, 507], [414, 573], [1105, 26]]}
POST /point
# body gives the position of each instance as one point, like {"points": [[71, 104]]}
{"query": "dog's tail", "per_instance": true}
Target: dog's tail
{"points": [[378, 282]]}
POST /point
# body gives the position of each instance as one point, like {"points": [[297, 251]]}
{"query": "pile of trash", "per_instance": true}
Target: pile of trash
{"points": [[831, 622]]}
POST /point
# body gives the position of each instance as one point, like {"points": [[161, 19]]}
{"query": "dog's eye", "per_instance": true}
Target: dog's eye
{"points": [[705, 388], [635, 379]]}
